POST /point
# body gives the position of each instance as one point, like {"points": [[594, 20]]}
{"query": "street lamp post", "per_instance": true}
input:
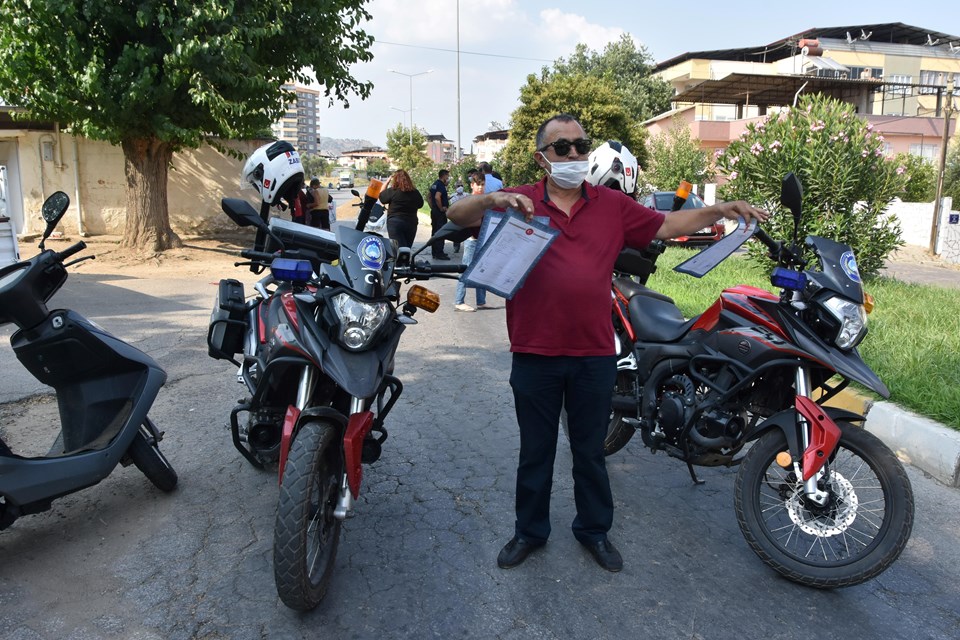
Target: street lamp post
{"points": [[411, 76], [405, 112]]}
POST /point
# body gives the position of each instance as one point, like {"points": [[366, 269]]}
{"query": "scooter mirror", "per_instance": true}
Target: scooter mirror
{"points": [[52, 211], [54, 207]]}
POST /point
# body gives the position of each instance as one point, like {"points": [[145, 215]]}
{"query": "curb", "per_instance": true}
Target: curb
{"points": [[918, 441]]}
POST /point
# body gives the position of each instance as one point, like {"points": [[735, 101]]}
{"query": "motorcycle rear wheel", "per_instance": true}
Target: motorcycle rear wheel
{"points": [[618, 431], [306, 533], [151, 462], [857, 535]]}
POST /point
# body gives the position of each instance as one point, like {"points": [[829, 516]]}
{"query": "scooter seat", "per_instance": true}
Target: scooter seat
{"points": [[630, 288]]}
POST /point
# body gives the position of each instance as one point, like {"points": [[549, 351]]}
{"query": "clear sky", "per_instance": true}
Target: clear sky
{"points": [[501, 41]]}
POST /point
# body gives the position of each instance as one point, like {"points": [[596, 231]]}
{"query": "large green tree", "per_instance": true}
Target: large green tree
{"points": [[628, 67], [592, 100], [406, 148], [156, 76]]}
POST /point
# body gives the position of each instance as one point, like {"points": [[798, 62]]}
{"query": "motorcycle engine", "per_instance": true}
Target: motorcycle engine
{"points": [[675, 407]]}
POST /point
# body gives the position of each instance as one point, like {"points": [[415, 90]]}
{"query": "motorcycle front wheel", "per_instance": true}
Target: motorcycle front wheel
{"points": [[306, 534], [151, 462], [854, 537]]}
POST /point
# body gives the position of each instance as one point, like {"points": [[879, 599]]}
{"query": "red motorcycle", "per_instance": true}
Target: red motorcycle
{"points": [[819, 499]]}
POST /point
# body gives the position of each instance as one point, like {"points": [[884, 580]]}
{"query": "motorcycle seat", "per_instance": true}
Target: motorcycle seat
{"points": [[629, 289], [656, 319]]}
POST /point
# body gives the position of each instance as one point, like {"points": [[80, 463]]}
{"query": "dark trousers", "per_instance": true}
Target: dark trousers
{"points": [[583, 385], [402, 230], [437, 220]]}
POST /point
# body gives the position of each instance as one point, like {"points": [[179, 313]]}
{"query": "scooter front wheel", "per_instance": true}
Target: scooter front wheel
{"points": [[150, 460], [307, 533]]}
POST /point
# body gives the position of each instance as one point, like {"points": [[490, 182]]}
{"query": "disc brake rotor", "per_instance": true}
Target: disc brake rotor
{"points": [[831, 520]]}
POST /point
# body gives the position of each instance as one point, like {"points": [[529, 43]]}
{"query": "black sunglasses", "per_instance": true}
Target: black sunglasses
{"points": [[562, 146]]}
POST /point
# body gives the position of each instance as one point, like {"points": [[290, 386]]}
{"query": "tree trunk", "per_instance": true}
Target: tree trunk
{"points": [[148, 222]]}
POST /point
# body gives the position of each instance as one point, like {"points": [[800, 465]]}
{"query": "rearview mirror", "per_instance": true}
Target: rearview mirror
{"points": [[242, 213], [791, 195], [52, 211]]}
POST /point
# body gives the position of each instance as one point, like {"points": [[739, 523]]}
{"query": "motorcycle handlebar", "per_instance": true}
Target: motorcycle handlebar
{"points": [[260, 256], [778, 250], [71, 250]]}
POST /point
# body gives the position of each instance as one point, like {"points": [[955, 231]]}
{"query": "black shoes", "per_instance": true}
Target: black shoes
{"points": [[515, 552], [441, 257], [605, 554]]}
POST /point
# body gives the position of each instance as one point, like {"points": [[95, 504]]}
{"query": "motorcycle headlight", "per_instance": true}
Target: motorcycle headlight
{"points": [[360, 321], [853, 321]]}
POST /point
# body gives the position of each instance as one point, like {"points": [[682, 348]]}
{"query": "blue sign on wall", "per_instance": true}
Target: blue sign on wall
{"points": [[954, 218]]}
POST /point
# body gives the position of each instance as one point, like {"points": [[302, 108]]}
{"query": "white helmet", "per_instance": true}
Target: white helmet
{"points": [[275, 171], [612, 165]]}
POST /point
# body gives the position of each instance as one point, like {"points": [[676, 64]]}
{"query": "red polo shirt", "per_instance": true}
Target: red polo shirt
{"points": [[564, 305]]}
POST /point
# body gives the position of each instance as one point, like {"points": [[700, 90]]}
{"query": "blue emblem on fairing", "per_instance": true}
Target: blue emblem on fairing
{"points": [[849, 265], [372, 252]]}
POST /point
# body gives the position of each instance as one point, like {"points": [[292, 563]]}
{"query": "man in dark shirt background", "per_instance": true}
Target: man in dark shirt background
{"points": [[438, 211]]}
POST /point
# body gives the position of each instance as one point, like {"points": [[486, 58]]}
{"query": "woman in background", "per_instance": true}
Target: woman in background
{"points": [[403, 202]]}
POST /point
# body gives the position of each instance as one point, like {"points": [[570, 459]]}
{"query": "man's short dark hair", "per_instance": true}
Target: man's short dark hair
{"points": [[560, 117], [443, 172], [485, 167]]}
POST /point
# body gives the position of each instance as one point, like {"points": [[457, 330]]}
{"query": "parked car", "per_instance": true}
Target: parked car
{"points": [[662, 201]]}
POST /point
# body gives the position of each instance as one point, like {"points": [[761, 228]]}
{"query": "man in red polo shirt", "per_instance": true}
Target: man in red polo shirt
{"points": [[560, 330]]}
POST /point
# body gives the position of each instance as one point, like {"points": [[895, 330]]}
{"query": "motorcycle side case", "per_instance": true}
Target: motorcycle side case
{"points": [[228, 322]]}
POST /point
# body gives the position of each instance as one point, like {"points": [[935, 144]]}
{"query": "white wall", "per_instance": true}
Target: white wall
{"points": [[916, 220]]}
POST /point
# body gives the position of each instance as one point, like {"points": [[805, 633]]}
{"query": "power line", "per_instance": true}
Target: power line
{"points": [[469, 53]]}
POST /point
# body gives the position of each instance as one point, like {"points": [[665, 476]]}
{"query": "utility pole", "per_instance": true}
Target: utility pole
{"points": [[938, 200]]}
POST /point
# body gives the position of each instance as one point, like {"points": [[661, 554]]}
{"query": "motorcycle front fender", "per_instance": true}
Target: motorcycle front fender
{"points": [[786, 421]]}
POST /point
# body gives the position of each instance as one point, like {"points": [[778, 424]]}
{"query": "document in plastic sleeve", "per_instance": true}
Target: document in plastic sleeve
{"points": [[512, 249]]}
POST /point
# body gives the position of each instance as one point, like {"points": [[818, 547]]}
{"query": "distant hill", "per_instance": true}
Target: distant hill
{"points": [[336, 146]]}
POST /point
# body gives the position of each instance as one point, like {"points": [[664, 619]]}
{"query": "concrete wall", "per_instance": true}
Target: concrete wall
{"points": [[92, 174], [916, 220]]}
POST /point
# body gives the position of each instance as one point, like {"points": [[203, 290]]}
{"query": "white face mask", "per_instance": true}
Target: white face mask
{"points": [[569, 175]]}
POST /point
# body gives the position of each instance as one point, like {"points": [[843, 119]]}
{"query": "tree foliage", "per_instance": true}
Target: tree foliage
{"points": [[920, 178], [628, 67], [674, 155], [156, 76], [405, 154], [314, 166], [592, 100], [847, 182], [951, 174]]}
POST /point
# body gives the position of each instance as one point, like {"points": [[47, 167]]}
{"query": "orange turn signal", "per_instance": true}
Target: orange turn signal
{"points": [[423, 298], [683, 190], [868, 302]]}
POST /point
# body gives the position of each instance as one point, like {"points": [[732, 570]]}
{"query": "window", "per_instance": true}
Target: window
{"points": [[926, 151], [866, 73], [896, 84]]}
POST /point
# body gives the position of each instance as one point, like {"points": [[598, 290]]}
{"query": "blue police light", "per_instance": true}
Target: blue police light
{"points": [[291, 270], [788, 279]]}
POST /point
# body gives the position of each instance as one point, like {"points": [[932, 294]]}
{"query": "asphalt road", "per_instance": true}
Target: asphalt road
{"points": [[418, 557]]}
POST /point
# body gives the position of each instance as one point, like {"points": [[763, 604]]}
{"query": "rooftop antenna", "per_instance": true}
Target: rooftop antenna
{"points": [[864, 35], [850, 38], [931, 42]]}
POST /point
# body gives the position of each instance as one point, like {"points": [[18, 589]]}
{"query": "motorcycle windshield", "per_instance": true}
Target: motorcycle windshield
{"points": [[366, 262], [838, 268]]}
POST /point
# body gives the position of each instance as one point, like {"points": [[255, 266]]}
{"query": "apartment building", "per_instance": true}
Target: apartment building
{"points": [[895, 74], [299, 124]]}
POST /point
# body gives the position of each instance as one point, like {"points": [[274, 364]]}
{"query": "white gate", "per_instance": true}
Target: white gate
{"points": [[9, 251]]}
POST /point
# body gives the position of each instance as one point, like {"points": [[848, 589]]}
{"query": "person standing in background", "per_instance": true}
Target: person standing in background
{"points": [[403, 202], [320, 207], [491, 182], [439, 201]]}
